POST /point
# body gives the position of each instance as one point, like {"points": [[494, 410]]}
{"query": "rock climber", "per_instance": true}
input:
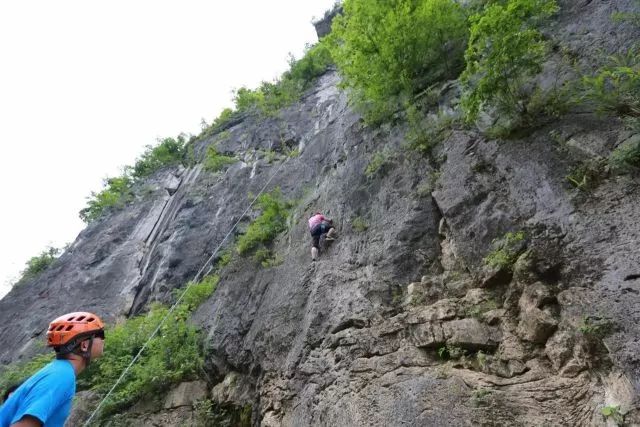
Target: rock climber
{"points": [[45, 398], [319, 225]]}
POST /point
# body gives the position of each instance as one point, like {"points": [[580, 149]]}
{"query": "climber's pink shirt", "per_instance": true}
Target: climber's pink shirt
{"points": [[315, 220]]}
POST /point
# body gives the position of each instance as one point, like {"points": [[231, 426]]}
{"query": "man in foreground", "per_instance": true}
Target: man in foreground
{"points": [[45, 398]]}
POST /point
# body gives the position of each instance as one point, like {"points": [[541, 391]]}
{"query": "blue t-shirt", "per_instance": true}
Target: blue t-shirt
{"points": [[47, 395]]}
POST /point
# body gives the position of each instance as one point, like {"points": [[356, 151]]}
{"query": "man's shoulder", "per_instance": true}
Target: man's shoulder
{"points": [[57, 372]]}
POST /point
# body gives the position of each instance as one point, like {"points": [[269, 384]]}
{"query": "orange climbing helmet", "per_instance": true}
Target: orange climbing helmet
{"points": [[73, 327]]}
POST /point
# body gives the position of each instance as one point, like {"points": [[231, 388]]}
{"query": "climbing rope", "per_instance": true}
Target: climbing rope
{"points": [[194, 280]]}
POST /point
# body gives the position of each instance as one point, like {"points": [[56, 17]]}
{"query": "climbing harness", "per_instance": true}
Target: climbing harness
{"points": [[195, 280]]}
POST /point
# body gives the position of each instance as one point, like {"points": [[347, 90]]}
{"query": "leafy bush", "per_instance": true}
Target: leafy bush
{"points": [[117, 193], [169, 151], [271, 221], [615, 88], [425, 133], [359, 224], [378, 163], [269, 97], [506, 250], [626, 157], [588, 175], [505, 50], [390, 50], [39, 263], [613, 412], [633, 16], [596, 327], [172, 356], [267, 258], [214, 161]]}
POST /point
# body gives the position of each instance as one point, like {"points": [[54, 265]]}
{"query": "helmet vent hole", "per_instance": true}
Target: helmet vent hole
{"points": [[59, 328], [80, 318], [90, 319], [71, 318], [52, 327], [70, 327]]}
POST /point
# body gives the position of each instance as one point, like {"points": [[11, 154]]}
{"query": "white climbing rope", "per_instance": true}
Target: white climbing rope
{"points": [[195, 280]]}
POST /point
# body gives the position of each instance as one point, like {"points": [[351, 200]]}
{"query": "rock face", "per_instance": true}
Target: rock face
{"points": [[400, 322]]}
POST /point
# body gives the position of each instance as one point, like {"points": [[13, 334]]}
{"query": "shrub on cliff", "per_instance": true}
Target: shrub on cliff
{"points": [[175, 354], [215, 161], [271, 221], [118, 191], [387, 51], [116, 194], [168, 151], [506, 49], [39, 263]]}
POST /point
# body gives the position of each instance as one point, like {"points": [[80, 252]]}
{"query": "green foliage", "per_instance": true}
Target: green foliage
{"points": [[272, 220], [225, 258], [116, 194], [359, 224], [626, 157], [479, 309], [632, 17], [378, 163], [39, 263], [209, 413], [595, 327], [388, 51], [172, 356], [270, 155], [613, 413], [168, 151], [615, 88], [481, 358], [224, 117], [451, 352], [214, 161], [269, 97], [587, 175], [506, 251], [505, 50], [479, 397], [266, 258], [16, 373], [118, 191], [426, 132]]}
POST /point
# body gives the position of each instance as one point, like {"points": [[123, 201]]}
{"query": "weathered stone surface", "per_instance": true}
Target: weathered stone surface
{"points": [[185, 394], [471, 334]]}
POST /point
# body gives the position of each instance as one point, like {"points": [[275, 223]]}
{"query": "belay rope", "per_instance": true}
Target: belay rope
{"points": [[197, 277]]}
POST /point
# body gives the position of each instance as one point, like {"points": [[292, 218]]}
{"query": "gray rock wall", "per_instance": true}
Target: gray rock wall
{"points": [[403, 323]]}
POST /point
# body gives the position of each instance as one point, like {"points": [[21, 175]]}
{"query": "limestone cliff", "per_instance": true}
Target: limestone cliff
{"points": [[401, 322]]}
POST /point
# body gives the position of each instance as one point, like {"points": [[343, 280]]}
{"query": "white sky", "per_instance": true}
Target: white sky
{"points": [[85, 85]]}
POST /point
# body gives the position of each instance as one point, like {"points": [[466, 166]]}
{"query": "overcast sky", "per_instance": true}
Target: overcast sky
{"points": [[85, 85]]}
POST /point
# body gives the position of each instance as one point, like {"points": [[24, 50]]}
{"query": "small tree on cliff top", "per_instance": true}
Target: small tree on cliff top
{"points": [[387, 50]]}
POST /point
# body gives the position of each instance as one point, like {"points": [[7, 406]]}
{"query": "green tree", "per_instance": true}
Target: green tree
{"points": [[168, 151], [39, 263], [116, 194], [505, 50], [387, 51]]}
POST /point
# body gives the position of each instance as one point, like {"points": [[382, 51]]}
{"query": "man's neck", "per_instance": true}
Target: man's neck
{"points": [[77, 362]]}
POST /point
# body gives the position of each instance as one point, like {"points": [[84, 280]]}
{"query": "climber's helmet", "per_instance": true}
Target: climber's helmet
{"points": [[67, 332]]}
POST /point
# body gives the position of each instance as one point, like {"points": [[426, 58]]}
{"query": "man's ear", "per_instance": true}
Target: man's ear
{"points": [[84, 345]]}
